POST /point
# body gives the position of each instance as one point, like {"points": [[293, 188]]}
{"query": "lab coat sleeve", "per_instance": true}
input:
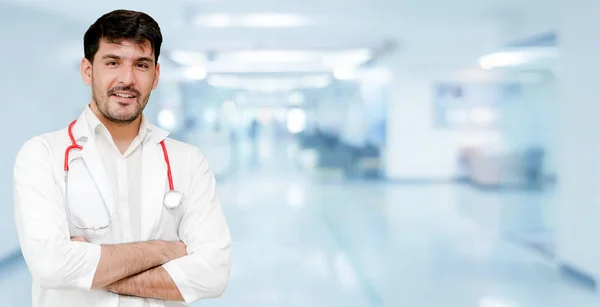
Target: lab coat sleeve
{"points": [[204, 272], [42, 227]]}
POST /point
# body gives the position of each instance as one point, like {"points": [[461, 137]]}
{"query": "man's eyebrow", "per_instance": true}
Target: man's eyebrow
{"points": [[111, 56], [145, 59], [116, 57]]}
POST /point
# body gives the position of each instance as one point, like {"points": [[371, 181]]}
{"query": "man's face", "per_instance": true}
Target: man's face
{"points": [[122, 77]]}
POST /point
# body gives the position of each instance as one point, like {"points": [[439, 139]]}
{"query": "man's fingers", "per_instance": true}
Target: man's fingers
{"points": [[79, 239]]}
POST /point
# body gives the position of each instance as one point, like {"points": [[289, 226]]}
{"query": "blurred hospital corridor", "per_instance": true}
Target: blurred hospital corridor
{"points": [[304, 239], [366, 153], [308, 238]]}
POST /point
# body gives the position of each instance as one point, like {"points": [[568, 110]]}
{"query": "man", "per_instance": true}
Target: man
{"points": [[103, 236]]}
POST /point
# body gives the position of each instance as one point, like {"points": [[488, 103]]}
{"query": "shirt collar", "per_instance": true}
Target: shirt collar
{"points": [[96, 126]]}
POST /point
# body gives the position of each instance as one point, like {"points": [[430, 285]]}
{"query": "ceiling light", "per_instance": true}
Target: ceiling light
{"points": [[186, 57], [274, 20], [195, 73], [288, 61], [492, 302], [516, 57], [214, 21], [167, 119], [347, 58], [317, 81], [251, 20], [270, 56], [327, 59], [503, 59], [272, 84], [345, 73], [210, 116], [236, 67], [296, 120]]}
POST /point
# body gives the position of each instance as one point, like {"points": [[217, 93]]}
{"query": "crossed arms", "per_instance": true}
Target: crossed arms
{"points": [[195, 268], [135, 269]]}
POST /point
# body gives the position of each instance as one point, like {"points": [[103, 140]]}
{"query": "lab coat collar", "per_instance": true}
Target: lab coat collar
{"points": [[156, 134], [93, 161], [87, 123], [153, 173]]}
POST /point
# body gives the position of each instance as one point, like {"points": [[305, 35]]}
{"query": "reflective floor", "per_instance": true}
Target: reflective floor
{"points": [[302, 239]]}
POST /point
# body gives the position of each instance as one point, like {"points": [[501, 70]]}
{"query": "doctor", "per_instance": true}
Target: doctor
{"points": [[109, 210]]}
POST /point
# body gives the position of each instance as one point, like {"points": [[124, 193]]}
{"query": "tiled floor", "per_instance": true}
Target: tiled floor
{"points": [[301, 243], [305, 242]]}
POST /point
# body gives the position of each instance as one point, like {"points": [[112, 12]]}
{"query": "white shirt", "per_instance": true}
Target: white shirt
{"points": [[132, 191], [126, 171]]}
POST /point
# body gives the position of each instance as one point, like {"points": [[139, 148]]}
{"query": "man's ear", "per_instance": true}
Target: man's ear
{"points": [[86, 71], [156, 76]]}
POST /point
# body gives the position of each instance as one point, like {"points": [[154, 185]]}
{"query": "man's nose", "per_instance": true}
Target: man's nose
{"points": [[126, 75]]}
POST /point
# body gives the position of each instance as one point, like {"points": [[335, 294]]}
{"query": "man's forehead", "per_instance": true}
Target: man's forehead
{"points": [[126, 47]]}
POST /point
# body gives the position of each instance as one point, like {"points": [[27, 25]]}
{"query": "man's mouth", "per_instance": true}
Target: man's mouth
{"points": [[124, 95]]}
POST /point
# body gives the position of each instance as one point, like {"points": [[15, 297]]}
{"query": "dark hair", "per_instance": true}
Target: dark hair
{"points": [[120, 25]]}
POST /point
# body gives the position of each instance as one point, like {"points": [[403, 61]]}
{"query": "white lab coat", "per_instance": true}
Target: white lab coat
{"points": [[62, 270]]}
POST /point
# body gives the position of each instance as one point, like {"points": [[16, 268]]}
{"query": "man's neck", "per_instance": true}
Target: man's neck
{"points": [[122, 134]]}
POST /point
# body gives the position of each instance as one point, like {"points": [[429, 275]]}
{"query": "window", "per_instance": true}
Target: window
{"points": [[473, 105]]}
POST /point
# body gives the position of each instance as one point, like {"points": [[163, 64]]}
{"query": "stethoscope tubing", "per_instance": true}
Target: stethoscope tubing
{"points": [[74, 145]]}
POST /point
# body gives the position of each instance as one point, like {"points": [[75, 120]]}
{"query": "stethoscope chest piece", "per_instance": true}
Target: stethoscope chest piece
{"points": [[172, 199]]}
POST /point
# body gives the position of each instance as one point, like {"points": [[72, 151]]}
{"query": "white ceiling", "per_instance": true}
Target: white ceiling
{"points": [[434, 33]]}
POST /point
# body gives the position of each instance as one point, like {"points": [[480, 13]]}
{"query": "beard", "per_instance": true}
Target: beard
{"points": [[112, 111]]}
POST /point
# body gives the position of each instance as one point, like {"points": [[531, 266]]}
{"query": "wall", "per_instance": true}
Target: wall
{"points": [[578, 162], [530, 119], [415, 148]]}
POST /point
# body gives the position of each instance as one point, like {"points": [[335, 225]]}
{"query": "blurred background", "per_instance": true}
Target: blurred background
{"points": [[367, 152]]}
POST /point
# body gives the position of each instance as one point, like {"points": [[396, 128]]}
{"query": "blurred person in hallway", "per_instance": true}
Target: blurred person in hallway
{"points": [[109, 210], [254, 130]]}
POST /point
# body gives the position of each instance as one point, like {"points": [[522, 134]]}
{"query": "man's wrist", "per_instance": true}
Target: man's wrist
{"points": [[111, 287], [170, 250]]}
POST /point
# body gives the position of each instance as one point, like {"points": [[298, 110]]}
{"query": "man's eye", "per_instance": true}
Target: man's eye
{"points": [[111, 63], [142, 65]]}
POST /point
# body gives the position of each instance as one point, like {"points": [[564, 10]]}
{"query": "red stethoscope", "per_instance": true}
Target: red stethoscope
{"points": [[171, 200]]}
